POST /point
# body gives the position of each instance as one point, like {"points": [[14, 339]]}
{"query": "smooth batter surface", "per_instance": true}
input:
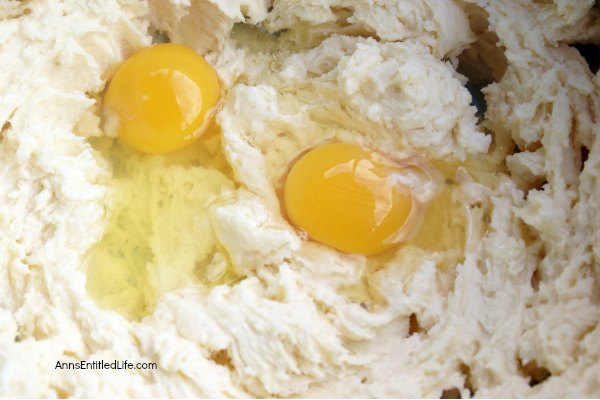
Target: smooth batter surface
{"points": [[496, 291]]}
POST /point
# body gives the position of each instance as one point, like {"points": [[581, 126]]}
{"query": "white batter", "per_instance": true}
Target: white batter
{"points": [[502, 280]]}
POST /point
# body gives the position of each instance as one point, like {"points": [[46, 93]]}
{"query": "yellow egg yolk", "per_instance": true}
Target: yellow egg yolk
{"points": [[342, 197], [161, 99]]}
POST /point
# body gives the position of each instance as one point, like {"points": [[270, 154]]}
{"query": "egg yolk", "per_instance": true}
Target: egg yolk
{"points": [[161, 99], [341, 197]]}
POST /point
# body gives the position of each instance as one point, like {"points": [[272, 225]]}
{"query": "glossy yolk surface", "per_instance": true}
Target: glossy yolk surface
{"points": [[340, 196], [161, 99]]}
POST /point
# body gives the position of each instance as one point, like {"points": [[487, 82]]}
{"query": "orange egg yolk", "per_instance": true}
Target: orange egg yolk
{"points": [[161, 99], [341, 197]]}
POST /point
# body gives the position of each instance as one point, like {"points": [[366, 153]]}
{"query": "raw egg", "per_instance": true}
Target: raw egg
{"points": [[161, 99], [344, 196]]}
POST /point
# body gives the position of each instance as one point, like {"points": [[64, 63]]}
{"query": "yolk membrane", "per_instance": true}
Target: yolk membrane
{"points": [[342, 197], [161, 99]]}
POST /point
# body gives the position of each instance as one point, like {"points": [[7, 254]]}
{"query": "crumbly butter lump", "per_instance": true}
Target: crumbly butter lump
{"points": [[186, 260]]}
